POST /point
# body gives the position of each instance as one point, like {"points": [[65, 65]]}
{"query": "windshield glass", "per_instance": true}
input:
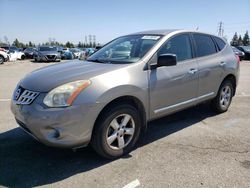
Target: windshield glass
{"points": [[47, 48], [127, 49]]}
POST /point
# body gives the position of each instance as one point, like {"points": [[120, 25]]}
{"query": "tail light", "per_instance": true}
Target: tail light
{"points": [[238, 59]]}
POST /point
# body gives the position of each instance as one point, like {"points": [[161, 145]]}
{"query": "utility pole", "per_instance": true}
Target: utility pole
{"points": [[86, 40], [90, 40], [94, 41], [221, 29]]}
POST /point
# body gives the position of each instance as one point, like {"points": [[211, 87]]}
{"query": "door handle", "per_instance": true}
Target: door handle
{"points": [[192, 71], [222, 64]]}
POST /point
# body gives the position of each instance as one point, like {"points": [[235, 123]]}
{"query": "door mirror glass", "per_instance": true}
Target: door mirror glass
{"points": [[166, 60]]}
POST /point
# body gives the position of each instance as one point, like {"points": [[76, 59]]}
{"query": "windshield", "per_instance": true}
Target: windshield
{"points": [[45, 48], [127, 49]]}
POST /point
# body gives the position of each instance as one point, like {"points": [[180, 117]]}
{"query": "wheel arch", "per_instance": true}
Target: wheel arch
{"points": [[128, 99], [232, 78]]}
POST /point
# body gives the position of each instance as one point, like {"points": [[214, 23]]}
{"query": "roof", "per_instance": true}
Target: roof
{"points": [[156, 32]]}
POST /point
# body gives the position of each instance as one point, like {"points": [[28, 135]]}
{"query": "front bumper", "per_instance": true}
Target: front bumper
{"points": [[69, 127]]}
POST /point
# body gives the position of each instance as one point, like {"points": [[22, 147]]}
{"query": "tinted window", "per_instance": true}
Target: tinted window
{"points": [[221, 44], [179, 45], [204, 45]]}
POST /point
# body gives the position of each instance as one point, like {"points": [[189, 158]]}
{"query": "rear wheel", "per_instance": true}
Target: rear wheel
{"points": [[116, 131], [223, 99]]}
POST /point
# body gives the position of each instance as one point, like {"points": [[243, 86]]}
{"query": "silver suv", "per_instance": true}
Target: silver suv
{"points": [[108, 99]]}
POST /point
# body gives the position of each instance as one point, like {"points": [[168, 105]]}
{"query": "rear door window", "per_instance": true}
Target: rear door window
{"points": [[204, 45]]}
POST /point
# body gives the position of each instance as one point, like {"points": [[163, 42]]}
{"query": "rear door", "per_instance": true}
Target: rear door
{"points": [[210, 65]]}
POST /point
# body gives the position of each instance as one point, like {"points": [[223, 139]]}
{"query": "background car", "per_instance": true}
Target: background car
{"points": [[246, 50], [47, 54], [29, 52], [14, 53], [66, 54], [238, 53], [76, 52], [3, 56]]}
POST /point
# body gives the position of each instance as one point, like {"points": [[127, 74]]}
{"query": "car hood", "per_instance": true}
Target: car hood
{"points": [[47, 78]]}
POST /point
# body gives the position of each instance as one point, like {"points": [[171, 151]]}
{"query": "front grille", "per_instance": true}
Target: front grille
{"points": [[51, 57], [23, 96]]}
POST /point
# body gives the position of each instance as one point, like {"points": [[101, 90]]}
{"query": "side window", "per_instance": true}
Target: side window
{"points": [[204, 45], [179, 45], [221, 44]]}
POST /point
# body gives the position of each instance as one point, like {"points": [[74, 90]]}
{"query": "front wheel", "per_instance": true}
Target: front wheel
{"points": [[224, 96], [116, 131]]}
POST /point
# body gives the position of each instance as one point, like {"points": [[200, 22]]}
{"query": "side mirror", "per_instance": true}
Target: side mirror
{"points": [[166, 60]]}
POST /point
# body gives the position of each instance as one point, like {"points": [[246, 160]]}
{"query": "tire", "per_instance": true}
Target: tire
{"points": [[1, 59], [104, 130], [224, 96]]}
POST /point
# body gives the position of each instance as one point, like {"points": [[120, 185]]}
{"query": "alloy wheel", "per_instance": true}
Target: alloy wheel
{"points": [[225, 97], [120, 131]]}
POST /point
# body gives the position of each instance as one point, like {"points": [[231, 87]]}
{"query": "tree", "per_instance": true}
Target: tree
{"points": [[69, 45], [80, 45], [6, 40], [16, 43], [246, 41], [240, 41], [31, 44], [235, 39]]}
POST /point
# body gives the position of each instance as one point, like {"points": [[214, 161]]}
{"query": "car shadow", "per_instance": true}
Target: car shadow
{"points": [[26, 163]]}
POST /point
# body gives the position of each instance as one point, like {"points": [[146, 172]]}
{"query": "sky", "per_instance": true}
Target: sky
{"points": [[72, 20]]}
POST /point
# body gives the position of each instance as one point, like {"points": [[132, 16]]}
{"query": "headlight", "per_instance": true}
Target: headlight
{"points": [[65, 95]]}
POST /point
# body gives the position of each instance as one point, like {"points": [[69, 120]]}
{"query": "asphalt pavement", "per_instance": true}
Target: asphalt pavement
{"points": [[192, 148]]}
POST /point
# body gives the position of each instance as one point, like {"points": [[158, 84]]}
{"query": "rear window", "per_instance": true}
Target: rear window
{"points": [[204, 45], [221, 44]]}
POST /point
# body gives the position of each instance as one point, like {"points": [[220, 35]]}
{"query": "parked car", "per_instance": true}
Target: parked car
{"points": [[15, 55], [108, 100], [239, 53], [3, 56], [76, 52], [66, 54], [246, 50], [47, 54], [29, 52]]}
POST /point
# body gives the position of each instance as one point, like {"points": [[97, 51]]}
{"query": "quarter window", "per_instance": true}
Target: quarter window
{"points": [[204, 45], [179, 45], [221, 44]]}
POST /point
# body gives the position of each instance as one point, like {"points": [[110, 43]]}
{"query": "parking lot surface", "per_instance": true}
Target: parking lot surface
{"points": [[192, 148]]}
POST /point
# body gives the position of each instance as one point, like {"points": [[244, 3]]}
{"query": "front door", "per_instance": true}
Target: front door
{"points": [[173, 87]]}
